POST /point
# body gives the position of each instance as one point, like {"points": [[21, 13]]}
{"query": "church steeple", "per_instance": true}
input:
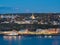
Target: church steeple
{"points": [[33, 17]]}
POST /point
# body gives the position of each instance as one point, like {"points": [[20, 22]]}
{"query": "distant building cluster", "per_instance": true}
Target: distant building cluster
{"points": [[53, 19]]}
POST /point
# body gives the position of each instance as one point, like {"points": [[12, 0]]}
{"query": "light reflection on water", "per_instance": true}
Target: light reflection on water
{"points": [[11, 37], [29, 40]]}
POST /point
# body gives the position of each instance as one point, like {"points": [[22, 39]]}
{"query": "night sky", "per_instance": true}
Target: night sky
{"points": [[29, 6]]}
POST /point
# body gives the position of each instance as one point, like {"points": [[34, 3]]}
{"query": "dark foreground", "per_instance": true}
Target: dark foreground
{"points": [[29, 40]]}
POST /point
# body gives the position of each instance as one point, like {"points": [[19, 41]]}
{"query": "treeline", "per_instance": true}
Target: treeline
{"points": [[11, 26]]}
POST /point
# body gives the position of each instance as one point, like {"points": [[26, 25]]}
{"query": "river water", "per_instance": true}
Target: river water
{"points": [[29, 40]]}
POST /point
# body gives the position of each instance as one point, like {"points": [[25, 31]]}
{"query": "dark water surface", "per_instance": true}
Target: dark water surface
{"points": [[29, 40]]}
